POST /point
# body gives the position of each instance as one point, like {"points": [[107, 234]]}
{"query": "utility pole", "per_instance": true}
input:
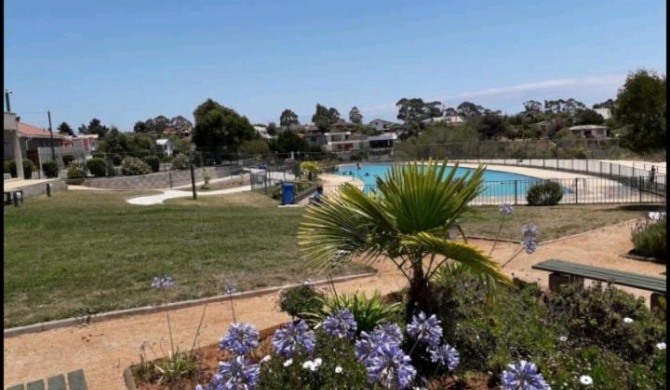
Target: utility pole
{"points": [[51, 136], [7, 93]]}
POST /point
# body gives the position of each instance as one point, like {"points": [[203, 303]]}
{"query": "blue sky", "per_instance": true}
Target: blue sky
{"points": [[124, 61]]}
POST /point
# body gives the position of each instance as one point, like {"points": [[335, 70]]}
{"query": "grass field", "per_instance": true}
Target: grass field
{"points": [[91, 251]]}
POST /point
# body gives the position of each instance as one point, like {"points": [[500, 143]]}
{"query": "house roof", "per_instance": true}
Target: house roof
{"points": [[587, 127], [382, 121], [383, 137], [30, 131]]}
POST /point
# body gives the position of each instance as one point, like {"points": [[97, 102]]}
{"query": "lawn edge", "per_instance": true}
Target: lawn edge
{"points": [[44, 326]]}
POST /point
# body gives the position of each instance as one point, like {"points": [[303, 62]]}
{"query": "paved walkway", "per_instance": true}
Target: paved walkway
{"points": [[106, 348]]}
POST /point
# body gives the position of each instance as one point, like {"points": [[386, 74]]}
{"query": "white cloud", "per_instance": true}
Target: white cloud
{"points": [[547, 87]]}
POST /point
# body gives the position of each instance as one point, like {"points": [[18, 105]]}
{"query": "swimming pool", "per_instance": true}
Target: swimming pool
{"points": [[496, 183]]}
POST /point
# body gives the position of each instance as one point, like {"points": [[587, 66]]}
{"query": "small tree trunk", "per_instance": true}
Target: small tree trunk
{"points": [[421, 297]]}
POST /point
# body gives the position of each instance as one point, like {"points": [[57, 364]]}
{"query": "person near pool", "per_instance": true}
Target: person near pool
{"points": [[316, 196]]}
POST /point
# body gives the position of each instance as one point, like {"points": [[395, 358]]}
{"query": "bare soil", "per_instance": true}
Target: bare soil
{"points": [[104, 349]]}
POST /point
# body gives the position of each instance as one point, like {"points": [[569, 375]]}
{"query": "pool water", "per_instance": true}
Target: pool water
{"points": [[496, 183]]}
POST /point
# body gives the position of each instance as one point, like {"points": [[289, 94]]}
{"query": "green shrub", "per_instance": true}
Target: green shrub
{"points": [[296, 300], [180, 162], [595, 315], [28, 168], [67, 159], [153, 162], [77, 170], [579, 153], [98, 155], [50, 169], [368, 312], [133, 166], [546, 193], [117, 159], [649, 238], [97, 167]]}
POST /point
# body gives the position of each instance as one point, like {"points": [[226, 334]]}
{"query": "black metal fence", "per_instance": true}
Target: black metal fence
{"points": [[575, 191]]}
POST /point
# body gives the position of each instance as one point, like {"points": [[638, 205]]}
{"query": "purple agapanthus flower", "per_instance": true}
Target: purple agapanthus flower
{"points": [[369, 343], [230, 289], [390, 330], [523, 375], [506, 209], [529, 242], [162, 282], [445, 355], [240, 339], [286, 341], [426, 329], [340, 323], [390, 367], [237, 374]]}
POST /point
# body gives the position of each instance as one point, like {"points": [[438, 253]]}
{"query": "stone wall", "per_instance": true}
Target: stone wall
{"points": [[160, 180]]}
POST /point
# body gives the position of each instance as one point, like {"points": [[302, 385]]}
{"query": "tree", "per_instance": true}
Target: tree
{"points": [[181, 125], [469, 110], [255, 147], [219, 128], [355, 116], [640, 107], [609, 103], [272, 128], [408, 222], [288, 118], [288, 142], [588, 117], [94, 127], [65, 129], [140, 127], [491, 125], [532, 107], [324, 117]]}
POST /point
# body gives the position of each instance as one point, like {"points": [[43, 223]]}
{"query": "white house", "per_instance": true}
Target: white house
{"points": [[342, 143], [381, 125], [591, 131], [262, 131], [453, 120], [381, 143], [606, 113], [166, 146]]}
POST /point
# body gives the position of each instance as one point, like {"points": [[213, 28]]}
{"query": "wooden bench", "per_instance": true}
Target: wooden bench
{"points": [[75, 381], [13, 196], [563, 272]]}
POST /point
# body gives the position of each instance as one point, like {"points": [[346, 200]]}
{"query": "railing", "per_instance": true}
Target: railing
{"points": [[619, 172], [575, 191]]}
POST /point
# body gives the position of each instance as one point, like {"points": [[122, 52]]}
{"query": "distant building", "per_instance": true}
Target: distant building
{"points": [[342, 143], [166, 146], [381, 144], [591, 131], [262, 131], [381, 125], [606, 113], [453, 120]]}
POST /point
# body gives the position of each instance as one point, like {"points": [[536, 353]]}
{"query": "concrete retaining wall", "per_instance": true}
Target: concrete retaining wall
{"points": [[159, 180]]}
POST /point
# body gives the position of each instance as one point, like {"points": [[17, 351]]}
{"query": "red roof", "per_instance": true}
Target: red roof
{"points": [[29, 131]]}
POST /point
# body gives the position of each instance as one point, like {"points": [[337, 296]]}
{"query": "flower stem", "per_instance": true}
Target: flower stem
{"points": [[502, 221], [197, 332], [167, 314], [512, 258], [232, 308]]}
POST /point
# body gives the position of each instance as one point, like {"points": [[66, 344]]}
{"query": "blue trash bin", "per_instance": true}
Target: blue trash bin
{"points": [[287, 193]]}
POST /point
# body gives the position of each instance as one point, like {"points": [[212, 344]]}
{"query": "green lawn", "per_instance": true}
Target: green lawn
{"points": [[91, 251]]}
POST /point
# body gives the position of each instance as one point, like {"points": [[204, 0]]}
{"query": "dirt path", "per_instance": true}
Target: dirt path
{"points": [[104, 349]]}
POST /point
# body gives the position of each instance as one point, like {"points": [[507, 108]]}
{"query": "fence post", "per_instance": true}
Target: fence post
{"points": [[170, 178], [572, 164], [576, 191], [587, 165], [610, 164], [639, 187], [516, 201], [601, 168], [619, 170]]}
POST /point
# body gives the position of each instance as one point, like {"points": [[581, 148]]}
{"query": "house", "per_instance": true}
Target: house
{"points": [[342, 143], [452, 120], [381, 144], [166, 145], [10, 136], [381, 125], [311, 134], [87, 143], [262, 131], [591, 131], [606, 113]]}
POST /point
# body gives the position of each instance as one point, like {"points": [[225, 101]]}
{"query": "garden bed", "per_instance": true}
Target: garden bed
{"points": [[634, 255]]}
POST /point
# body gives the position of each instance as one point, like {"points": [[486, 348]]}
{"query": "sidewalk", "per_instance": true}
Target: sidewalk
{"points": [[105, 349]]}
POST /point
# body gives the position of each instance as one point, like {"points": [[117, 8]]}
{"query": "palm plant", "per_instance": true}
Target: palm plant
{"points": [[407, 221]]}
